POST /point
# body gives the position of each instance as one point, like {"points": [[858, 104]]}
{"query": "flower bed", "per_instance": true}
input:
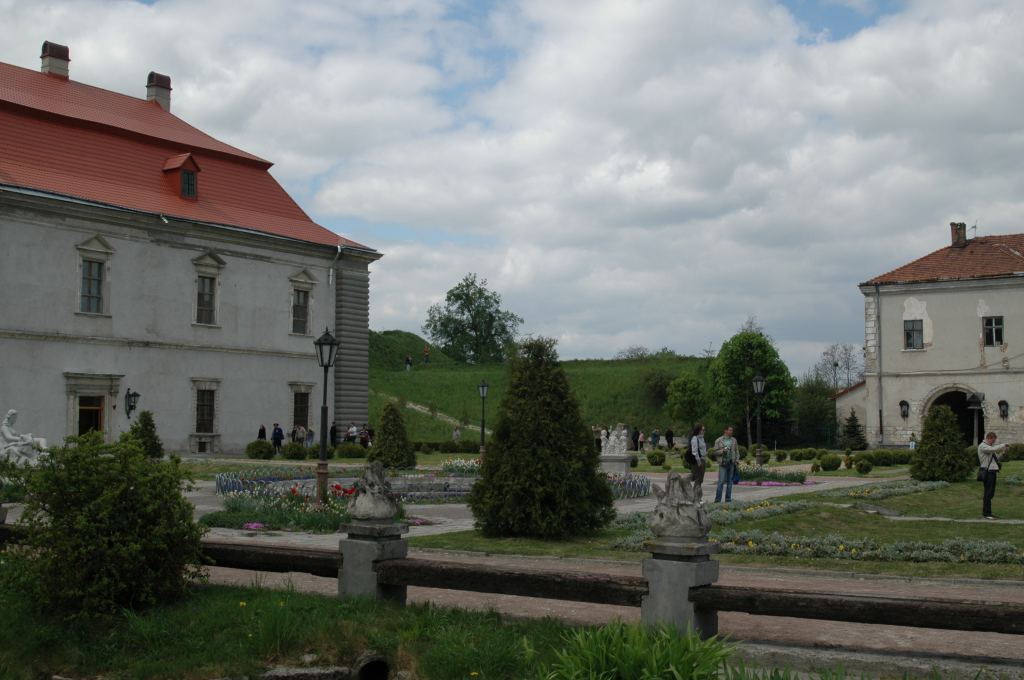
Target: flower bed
{"points": [[882, 490], [461, 467], [763, 473], [768, 482], [629, 485]]}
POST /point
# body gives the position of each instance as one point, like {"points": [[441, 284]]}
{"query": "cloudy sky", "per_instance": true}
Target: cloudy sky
{"points": [[626, 172]]}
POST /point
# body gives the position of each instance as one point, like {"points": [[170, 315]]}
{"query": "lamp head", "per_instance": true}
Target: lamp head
{"points": [[326, 349]]}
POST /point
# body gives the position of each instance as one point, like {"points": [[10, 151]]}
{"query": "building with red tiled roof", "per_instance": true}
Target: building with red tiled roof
{"points": [[946, 328], [141, 253]]}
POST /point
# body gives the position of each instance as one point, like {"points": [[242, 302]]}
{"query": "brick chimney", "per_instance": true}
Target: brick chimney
{"points": [[158, 89], [958, 234], [55, 59]]}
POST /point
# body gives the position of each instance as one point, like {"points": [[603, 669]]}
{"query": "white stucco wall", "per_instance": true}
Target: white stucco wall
{"points": [[147, 333]]}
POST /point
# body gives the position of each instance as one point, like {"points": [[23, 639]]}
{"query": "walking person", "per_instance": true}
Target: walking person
{"points": [[641, 441], [988, 460], [310, 435], [698, 453], [655, 438], [334, 434], [635, 438], [670, 439], [300, 434], [262, 434], [728, 455], [276, 437], [408, 362]]}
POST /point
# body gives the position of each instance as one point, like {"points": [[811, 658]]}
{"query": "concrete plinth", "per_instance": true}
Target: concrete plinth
{"points": [[615, 463], [368, 543], [677, 565]]}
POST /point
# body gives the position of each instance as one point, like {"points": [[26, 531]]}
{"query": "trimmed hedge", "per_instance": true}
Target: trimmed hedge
{"points": [[260, 448], [830, 462]]}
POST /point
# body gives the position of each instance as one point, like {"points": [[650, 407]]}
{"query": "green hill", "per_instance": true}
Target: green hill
{"points": [[609, 391]]}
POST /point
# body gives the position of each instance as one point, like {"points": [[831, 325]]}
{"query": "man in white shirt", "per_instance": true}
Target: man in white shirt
{"points": [[988, 459]]}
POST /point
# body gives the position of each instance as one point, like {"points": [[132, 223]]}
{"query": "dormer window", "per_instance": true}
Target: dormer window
{"points": [[188, 184], [182, 173]]}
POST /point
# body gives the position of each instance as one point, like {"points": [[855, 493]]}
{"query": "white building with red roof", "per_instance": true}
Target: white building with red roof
{"points": [[141, 254], [947, 328]]}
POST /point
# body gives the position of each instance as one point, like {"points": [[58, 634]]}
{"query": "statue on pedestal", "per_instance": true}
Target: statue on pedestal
{"points": [[20, 449], [373, 499], [680, 510]]}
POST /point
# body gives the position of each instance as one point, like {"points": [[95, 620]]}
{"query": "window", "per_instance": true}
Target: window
{"points": [[205, 410], [188, 184], [913, 334], [301, 408], [205, 300], [90, 414], [300, 311], [992, 328], [92, 287]]}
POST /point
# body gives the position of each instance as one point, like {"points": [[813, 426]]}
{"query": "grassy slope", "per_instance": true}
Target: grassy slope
{"points": [[608, 391]]}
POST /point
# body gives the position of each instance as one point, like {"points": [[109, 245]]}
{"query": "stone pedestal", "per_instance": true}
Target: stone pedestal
{"points": [[676, 566], [615, 463], [370, 542]]}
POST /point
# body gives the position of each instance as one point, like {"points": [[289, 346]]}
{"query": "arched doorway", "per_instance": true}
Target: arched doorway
{"points": [[957, 401]]}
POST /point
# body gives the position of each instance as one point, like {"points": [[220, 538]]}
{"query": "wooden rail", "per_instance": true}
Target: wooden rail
{"points": [[552, 585], [319, 562], [974, 615]]}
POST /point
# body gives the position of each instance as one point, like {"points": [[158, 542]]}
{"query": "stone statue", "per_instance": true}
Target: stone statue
{"points": [[20, 449], [373, 499], [680, 510], [615, 443]]}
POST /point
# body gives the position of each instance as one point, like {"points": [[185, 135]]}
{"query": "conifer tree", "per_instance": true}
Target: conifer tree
{"points": [[144, 431], [941, 455], [540, 475], [392, 446], [853, 434]]}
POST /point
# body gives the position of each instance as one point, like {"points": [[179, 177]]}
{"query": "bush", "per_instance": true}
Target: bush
{"points": [[880, 457], [655, 458], [853, 433], [830, 462], [144, 432], [848, 462], [106, 530], [941, 455], [349, 450], [294, 451], [313, 452], [1014, 452], [864, 466], [541, 476], [815, 467], [781, 455], [470, 445], [260, 448], [392, 447], [742, 451], [633, 461]]}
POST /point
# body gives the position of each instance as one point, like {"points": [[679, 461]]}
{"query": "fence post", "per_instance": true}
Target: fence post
{"points": [[676, 566], [368, 543]]}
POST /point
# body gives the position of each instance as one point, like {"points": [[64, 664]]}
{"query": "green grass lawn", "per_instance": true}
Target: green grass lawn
{"points": [[960, 501]]}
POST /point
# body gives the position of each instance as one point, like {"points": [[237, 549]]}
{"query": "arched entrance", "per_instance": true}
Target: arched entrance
{"points": [[957, 401]]}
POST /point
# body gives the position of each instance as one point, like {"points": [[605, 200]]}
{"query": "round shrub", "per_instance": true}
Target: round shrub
{"points": [[349, 450], [830, 462], [107, 529], [848, 462], [864, 466], [742, 451], [941, 456], [260, 448], [633, 461], [313, 452], [815, 467], [881, 457], [655, 458], [294, 451], [781, 455]]}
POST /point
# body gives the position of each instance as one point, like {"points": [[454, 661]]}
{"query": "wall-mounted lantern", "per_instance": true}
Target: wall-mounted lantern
{"points": [[904, 410], [1004, 410], [131, 400]]}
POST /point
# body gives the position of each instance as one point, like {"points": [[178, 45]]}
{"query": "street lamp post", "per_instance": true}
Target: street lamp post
{"points": [[759, 391], [482, 387], [326, 351]]}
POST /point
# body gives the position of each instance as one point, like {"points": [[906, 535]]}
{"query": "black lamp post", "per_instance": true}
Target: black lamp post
{"points": [[131, 400], [759, 391], [483, 398], [326, 351]]}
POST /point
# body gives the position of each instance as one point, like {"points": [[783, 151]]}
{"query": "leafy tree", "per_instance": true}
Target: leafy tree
{"points": [[392, 447], [106, 530], [853, 434], [732, 372], [814, 411], [655, 383], [687, 400], [633, 353], [471, 326], [144, 431], [540, 475], [941, 455], [840, 365]]}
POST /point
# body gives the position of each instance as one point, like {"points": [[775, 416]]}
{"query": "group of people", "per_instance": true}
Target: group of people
{"points": [[363, 436], [727, 452]]}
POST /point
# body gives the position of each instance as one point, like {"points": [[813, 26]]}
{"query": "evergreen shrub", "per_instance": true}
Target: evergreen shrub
{"points": [[294, 451], [655, 458], [633, 461], [144, 431], [541, 476], [107, 530], [864, 466], [260, 448], [1014, 452], [815, 467], [349, 450], [849, 461], [853, 433], [830, 462], [392, 447], [940, 456], [781, 455]]}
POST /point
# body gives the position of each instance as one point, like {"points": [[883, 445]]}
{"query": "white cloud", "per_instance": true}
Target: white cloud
{"points": [[636, 173]]}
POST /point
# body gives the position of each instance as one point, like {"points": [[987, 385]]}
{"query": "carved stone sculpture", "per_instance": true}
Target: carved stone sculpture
{"points": [[680, 510], [20, 449], [615, 443], [373, 499]]}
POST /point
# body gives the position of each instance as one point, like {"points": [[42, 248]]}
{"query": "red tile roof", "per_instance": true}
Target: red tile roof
{"points": [[984, 257], [63, 137]]}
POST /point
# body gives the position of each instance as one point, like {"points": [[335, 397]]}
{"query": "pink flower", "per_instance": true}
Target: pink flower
{"points": [[253, 526]]}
